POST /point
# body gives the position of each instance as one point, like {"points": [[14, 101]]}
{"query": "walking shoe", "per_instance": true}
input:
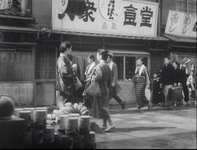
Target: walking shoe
{"points": [[123, 105], [150, 105], [138, 109], [110, 127], [103, 127]]}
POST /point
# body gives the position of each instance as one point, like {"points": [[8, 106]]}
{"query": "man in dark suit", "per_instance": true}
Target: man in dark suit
{"points": [[167, 79], [115, 87]]}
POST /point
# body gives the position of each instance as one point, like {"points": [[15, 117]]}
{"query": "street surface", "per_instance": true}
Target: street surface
{"points": [[154, 129]]}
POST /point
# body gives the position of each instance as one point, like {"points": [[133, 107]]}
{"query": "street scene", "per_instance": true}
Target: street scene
{"points": [[98, 74], [155, 129]]}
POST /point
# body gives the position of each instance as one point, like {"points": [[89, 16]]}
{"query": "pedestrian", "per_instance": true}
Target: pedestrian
{"points": [[88, 99], [74, 66], [102, 75], [167, 79], [114, 85], [64, 76], [77, 83], [191, 85], [141, 81], [183, 77], [177, 80], [157, 91]]}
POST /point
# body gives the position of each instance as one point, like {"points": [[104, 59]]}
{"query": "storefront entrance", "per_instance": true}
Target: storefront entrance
{"points": [[126, 63]]}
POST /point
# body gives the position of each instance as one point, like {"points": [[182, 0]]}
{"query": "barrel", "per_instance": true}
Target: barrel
{"points": [[48, 134], [40, 117], [71, 125], [26, 115], [84, 124]]}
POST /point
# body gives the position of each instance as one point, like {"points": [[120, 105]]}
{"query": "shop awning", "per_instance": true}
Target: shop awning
{"points": [[179, 39], [18, 29], [158, 38]]}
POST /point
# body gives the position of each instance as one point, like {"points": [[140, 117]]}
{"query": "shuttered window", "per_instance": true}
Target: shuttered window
{"points": [[15, 66], [45, 63], [187, 6]]}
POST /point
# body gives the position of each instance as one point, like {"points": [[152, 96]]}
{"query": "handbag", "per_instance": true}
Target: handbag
{"points": [[78, 83], [94, 89], [148, 94]]}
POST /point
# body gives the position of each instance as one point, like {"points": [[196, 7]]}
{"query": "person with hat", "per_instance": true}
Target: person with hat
{"points": [[183, 78], [114, 86]]}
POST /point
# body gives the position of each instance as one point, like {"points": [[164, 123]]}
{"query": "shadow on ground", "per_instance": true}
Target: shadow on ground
{"points": [[139, 129], [185, 140]]}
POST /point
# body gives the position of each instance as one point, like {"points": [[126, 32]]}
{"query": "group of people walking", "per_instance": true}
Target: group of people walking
{"points": [[105, 74], [174, 75]]}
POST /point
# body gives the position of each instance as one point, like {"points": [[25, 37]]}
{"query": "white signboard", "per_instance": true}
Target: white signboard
{"points": [[181, 24], [5, 4], [116, 17]]}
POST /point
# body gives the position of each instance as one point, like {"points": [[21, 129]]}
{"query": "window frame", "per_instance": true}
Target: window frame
{"points": [[135, 54]]}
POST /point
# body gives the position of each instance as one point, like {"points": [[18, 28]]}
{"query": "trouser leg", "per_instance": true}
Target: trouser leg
{"points": [[166, 91], [115, 96], [186, 92]]}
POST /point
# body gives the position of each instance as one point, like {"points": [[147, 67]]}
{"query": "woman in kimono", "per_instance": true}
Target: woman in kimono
{"points": [[102, 75], [141, 81], [65, 76], [88, 99]]}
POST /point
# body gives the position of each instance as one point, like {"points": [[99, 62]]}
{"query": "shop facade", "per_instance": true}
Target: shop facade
{"points": [[17, 48], [130, 31]]}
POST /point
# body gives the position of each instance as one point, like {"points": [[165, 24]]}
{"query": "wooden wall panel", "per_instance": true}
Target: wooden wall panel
{"points": [[21, 93], [45, 94]]}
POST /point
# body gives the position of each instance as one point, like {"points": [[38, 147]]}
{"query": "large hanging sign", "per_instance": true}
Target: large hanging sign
{"points": [[5, 4], [181, 24], [115, 17]]}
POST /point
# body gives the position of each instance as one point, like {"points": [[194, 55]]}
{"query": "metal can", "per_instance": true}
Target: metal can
{"points": [[40, 117], [61, 121], [84, 123], [30, 109], [26, 115], [71, 125]]}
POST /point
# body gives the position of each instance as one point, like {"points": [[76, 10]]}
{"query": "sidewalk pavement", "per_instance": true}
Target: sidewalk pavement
{"points": [[154, 129]]}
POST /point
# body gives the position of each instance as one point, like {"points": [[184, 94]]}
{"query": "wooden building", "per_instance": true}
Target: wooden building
{"points": [[18, 36], [151, 43]]}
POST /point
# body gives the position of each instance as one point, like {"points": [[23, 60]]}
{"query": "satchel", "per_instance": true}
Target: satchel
{"points": [[94, 89], [78, 83]]}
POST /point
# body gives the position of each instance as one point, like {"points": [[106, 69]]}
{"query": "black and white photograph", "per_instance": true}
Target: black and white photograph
{"points": [[98, 74]]}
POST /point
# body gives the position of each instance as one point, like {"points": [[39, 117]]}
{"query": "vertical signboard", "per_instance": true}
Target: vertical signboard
{"points": [[181, 24]]}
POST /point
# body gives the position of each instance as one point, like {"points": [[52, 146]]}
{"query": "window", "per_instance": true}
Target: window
{"points": [[126, 66], [45, 63], [187, 6]]}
